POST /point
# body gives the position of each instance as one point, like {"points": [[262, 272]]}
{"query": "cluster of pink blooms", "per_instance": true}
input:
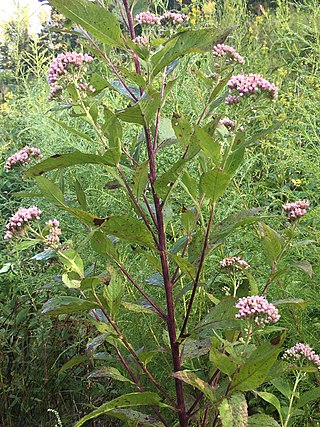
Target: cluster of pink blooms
{"points": [[174, 18], [19, 220], [86, 86], [249, 84], [224, 49], [53, 237], [303, 350], [22, 157], [141, 40], [234, 261], [149, 18], [296, 209], [258, 308], [227, 122], [60, 66]]}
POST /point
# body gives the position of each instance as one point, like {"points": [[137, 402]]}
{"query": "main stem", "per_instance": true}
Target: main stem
{"points": [[162, 247]]}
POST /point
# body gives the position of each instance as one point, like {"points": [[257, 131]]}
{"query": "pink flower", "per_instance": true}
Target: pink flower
{"points": [[53, 237], [234, 262], [62, 65], [141, 40], [22, 157], [257, 308], [147, 18], [243, 85], [302, 350], [232, 54], [296, 209], [173, 18], [227, 123], [17, 223]]}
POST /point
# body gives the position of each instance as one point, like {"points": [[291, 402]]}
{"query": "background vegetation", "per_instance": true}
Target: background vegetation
{"points": [[282, 42]]}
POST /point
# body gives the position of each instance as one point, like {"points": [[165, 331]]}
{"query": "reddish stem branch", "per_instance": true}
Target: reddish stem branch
{"points": [[196, 282], [139, 387], [135, 284]]}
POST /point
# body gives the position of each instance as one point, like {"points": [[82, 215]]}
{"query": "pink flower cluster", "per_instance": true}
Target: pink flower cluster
{"points": [[227, 123], [53, 237], [141, 40], [174, 18], [258, 308], [296, 209], [234, 261], [61, 65], [249, 84], [22, 157], [223, 49], [303, 350], [149, 18], [86, 86], [19, 220]]}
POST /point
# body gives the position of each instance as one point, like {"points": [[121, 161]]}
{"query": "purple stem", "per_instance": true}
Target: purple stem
{"points": [[196, 282], [156, 133], [214, 377], [135, 284], [132, 34]]}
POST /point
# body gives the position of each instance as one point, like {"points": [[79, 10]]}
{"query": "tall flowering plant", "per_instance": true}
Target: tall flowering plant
{"points": [[209, 148]]}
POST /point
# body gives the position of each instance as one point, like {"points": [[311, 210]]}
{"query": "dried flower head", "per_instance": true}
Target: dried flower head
{"points": [[301, 350], [234, 262], [22, 157], [249, 84], [18, 222], [296, 209], [53, 237], [229, 52], [257, 308], [147, 18]]}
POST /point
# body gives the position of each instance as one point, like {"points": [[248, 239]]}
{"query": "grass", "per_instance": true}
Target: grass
{"points": [[282, 44]]}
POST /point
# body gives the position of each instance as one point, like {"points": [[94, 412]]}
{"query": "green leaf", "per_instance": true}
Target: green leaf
{"points": [[262, 420], [188, 220], [234, 160], [113, 293], [183, 43], [109, 372], [182, 129], [51, 191], [191, 185], [271, 398], [74, 361], [283, 386], [169, 179], [72, 280], [271, 243], [140, 179], [191, 378], [307, 397], [101, 244], [185, 266], [303, 265], [271, 129], [298, 302], [60, 161], [81, 195], [135, 417], [137, 308], [222, 362], [128, 228], [67, 305], [255, 370], [209, 145], [221, 316], [72, 261], [195, 348], [113, 130], [227, 226], [124, 401], [72, 130], [214, 183], [233, 411], [96, 20]]}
